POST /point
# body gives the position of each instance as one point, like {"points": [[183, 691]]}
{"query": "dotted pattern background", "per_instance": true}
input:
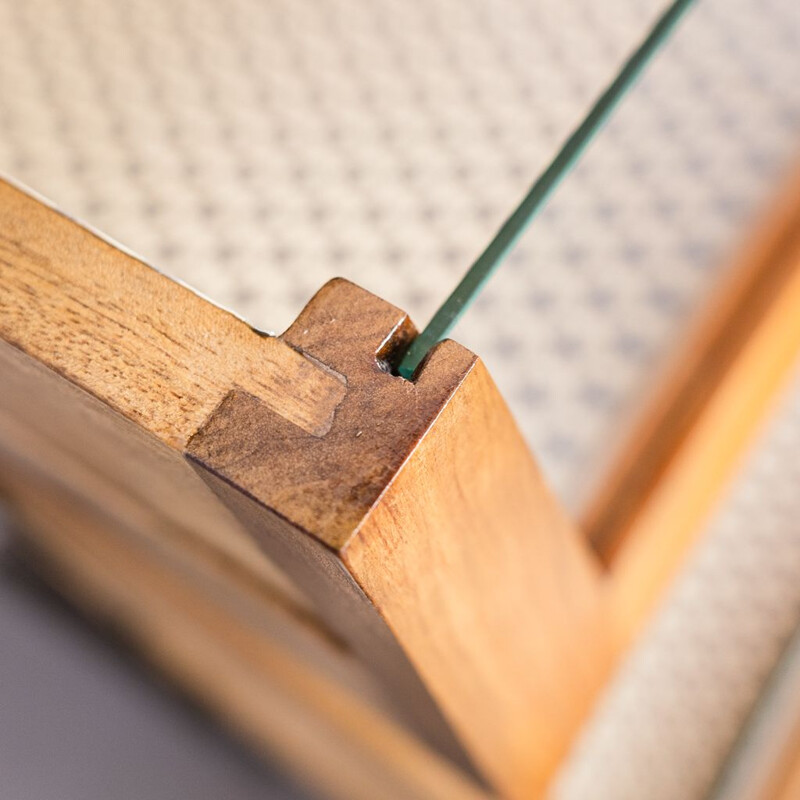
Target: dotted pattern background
{"points": [[670, 717], [256, 148]]}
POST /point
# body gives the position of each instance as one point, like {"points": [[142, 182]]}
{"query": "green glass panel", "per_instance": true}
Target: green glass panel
{"points": [[498, 248]]}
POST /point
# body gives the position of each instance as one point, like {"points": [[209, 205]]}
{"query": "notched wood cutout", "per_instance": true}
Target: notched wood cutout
{"points": [[426, 536], [327, 489]]}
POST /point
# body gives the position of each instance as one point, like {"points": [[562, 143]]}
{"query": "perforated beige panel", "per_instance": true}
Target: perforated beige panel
{"points": [[255, 149], [668, 720]]}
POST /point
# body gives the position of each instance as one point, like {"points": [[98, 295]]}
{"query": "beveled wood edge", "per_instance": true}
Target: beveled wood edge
{"points": [[421, 521]]}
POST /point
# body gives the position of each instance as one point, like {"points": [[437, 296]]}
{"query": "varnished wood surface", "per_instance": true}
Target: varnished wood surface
{"points": [[142, 363], [153, 350], [304, 478], [437, 523], [87, 344], [29, 462], [469, 516], [93, 378], [764, 762], [327, 736], [85, 431], [391, 540]]}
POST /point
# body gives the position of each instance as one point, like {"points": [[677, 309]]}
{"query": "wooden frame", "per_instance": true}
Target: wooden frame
{"points": [[363, 573], [701, 417]]}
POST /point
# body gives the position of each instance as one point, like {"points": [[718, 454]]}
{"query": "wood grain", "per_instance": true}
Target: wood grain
{"points": [[150, 348], [764, 761], [108, 370], [118, 366], [489, 586], [373, 568], [97, 443], [421, 512], [329, 738]]}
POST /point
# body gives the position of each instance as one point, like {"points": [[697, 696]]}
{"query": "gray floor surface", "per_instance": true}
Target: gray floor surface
{"points": [[80, 718]]}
